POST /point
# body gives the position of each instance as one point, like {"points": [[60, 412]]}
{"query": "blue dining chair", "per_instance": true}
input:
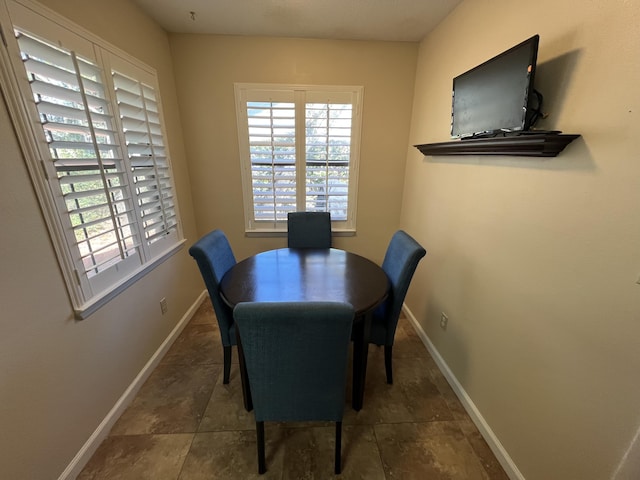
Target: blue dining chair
{"points": [[400, 262], [214, 257], [296, 355], [309, 230]]}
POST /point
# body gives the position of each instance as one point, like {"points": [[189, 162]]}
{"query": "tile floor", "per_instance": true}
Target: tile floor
{"points": [[185, 424]]}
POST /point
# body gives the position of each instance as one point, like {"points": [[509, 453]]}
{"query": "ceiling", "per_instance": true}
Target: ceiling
{"points": [[389, 20]]}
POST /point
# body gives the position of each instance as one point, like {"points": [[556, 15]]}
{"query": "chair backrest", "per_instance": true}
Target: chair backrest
{"points": [[309, 229], [400, 262], [214, 257], [296, 358]]}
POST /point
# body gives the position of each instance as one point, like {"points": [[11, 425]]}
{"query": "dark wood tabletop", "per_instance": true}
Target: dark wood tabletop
{"points": [[306, 275]]}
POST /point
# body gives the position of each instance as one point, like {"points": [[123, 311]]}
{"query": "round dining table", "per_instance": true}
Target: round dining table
{"points": [[308, 275]]}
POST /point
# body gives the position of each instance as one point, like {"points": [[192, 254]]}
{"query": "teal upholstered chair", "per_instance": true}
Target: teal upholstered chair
{"points": [[400, 262], [296, 356], [309, 230], [214, 257]]}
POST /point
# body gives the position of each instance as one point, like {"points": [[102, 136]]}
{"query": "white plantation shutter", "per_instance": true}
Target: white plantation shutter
{"points": [[272, 152], [139, 116], [88, 164], [89, 120], [299, 148], [328, 129]]}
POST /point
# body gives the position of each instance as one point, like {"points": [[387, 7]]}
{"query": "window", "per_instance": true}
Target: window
{"points": [[100, 159], [299, 149]]}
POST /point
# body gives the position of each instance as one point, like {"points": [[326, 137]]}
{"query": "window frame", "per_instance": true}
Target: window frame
{"points": [[300, 95], [87, 293]]}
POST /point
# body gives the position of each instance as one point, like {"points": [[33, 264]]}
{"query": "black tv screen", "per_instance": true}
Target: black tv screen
{"points": [[494, 96]]}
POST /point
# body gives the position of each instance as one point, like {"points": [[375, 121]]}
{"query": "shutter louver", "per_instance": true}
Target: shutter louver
{"points": [[138, 110], [78, 127], [272, 151]]}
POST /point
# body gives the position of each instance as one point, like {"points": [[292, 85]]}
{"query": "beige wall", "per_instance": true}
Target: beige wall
{"points": [[58, 377], [535, 261], [206, 68]]}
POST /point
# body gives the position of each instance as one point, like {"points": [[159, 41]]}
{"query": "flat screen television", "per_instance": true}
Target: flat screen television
{"points": [[497, 96]]}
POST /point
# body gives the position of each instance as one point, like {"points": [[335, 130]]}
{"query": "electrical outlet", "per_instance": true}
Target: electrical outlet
{"points": [[444, 320], [163, 305]]}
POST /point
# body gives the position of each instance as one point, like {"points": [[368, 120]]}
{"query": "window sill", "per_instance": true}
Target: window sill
{"points": [[84, 311], [341, 232]]}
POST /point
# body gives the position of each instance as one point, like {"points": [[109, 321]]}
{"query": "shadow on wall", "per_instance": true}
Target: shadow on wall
{"points": [[450, 345], [452, 302], [553, 79]]}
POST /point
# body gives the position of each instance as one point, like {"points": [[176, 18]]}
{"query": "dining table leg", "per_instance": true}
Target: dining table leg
{"points": [[244, 377], [362, 333]]}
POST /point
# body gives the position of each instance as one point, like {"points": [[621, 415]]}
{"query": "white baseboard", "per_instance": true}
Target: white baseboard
{"points": [[91, 445], [498, 450]]}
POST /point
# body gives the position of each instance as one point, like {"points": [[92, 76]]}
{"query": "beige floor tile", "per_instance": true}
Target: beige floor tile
{"points": [[204, 314], [197, 345], [407, 343], [293, 452], [482, 450], [412, 397], [434, 451], [308, 452], [185, 424], [138, 457], [172, 400], [231, 455], [360, 455], [225, 410], [449, 396]]}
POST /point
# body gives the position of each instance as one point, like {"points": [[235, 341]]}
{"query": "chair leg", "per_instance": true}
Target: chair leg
{"points": [[338, 465], [387, 363], [244, 376], [260, 438], [227, 364]]}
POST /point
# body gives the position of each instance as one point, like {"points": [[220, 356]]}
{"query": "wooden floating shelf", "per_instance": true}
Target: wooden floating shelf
{"points": [[525, 145]]}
